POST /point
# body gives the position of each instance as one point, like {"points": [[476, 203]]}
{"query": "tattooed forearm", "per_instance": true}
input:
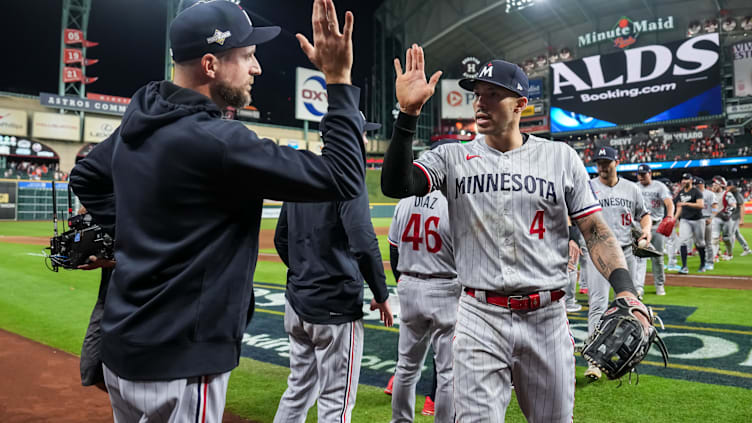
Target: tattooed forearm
{"points": [[604, 250]]}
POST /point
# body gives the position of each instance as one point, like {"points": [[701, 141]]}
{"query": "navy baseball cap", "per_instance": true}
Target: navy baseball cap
{"points": [[501, 73], [606, 153], [697, 180], [687, 176], [369, 126], [213, 27], [643, 168]]}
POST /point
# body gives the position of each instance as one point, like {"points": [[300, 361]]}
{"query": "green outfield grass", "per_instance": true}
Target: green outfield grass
{"points": [[53, 308]]}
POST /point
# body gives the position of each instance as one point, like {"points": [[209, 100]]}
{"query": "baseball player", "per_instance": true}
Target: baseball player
{"points": [[428, 292], [689, 204], [718, 188], [327, 247], [727, 206], [708, 198], [659, 202], [622, 203], [509, 195], [181, 296], [736, 216]]}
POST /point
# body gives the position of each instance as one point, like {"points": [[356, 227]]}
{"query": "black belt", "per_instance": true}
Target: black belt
{"points": [[424, 276]]}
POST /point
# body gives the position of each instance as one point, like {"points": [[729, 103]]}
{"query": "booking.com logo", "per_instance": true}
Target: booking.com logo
{"points": [[314, 95]]}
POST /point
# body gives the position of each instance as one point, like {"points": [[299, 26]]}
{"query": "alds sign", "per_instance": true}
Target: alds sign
{"points": [[641, 84]]}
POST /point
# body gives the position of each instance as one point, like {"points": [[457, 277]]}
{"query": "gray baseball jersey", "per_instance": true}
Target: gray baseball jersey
{"points": [[708, 198], [622, 205], [420, 230], [654, 194], [513, 207]]}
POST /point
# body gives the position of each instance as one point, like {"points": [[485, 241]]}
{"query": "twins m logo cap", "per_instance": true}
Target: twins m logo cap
{"points": [[501, 73]]}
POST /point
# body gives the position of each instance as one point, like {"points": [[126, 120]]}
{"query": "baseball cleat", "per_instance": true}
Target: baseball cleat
{"points": [[709, 266], [660, 290], [684, 271], [726, 257], [573, 308], [388, 389], [674, 268], [746, 252], [592, 372], [701, 269], [428, 407]]}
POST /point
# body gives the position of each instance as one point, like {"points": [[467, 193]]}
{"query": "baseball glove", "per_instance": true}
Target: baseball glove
{"points": [[646, 251], [619, 341], [666, 226]]}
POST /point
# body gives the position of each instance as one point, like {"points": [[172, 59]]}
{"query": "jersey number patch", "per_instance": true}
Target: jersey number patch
{"points": [[412, 233], [537, 226]]}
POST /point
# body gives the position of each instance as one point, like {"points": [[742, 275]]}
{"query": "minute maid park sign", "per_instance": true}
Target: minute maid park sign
{"points": [[625, 31]]}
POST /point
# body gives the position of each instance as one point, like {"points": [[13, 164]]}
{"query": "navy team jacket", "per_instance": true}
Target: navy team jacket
{"points": [[329, 249], [183, 190]]}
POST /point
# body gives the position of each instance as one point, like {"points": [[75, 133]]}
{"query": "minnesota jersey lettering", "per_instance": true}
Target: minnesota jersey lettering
{"points": [[493, 182]]}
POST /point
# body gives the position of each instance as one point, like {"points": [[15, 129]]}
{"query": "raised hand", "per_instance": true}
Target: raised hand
{"points": [[413, 91], [332, 50]]}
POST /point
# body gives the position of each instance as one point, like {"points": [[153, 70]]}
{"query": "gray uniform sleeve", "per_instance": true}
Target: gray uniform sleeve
{"points": [[433, 164]]}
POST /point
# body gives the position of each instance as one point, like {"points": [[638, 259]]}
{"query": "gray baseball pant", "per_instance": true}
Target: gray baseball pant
{"points": [[195, 399], [659, 275], [709, 254], [599, 288], [672, 247], [428, 312], [692, 229], [324, 364], [739, 237], [494, 346]]}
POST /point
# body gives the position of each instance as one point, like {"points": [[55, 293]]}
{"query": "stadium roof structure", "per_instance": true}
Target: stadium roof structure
{"points": [[515, 30]]}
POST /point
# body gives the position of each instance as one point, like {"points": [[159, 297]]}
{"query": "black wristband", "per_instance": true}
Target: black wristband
{"points": [[573, 233], [621, 281]]}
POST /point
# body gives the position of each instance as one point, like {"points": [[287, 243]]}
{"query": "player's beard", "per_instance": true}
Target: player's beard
{"points": [[237, 97]]}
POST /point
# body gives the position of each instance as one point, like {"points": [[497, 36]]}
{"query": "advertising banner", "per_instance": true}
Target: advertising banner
{"points": [[456, 103], [533, 109], [535, 89], [647, 84], [7, 200], [108, 98], [742, 53], [56, 126], [13, 122], [311, 100], [85, 104], [97, 129]]}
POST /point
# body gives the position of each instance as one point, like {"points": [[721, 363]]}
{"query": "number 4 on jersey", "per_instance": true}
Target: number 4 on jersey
{"points": [[537, 226], [413, 225]]}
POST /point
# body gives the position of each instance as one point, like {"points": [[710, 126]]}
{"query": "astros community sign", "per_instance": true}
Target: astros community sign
{"points": [[625, 31]]}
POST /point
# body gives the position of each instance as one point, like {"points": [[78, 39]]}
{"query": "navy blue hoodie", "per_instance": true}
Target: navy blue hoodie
{"points": [[182, 190]]}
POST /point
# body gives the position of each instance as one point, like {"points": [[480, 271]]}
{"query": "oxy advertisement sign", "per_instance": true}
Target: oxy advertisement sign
{"points": [[646, 84], [311, 101], [97, 129], [456, 103], [13, 122], [742, 53]]}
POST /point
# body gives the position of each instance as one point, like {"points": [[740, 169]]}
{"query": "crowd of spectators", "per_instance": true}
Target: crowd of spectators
{"points": [[36, 171], [654, 147]]}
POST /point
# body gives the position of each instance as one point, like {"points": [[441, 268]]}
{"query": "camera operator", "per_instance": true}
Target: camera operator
{"points": [[187, 188]]}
